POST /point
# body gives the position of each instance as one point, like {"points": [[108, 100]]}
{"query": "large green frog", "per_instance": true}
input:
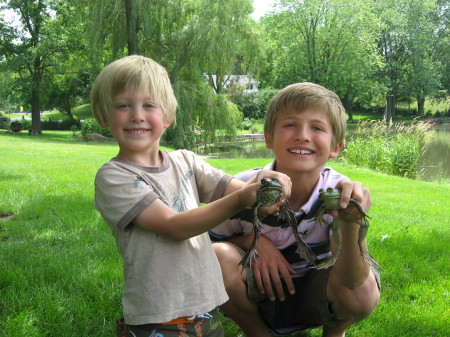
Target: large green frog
{"points": [[270, 192], [331, 200]]}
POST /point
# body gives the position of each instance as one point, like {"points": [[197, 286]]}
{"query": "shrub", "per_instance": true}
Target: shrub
{"points": [[59, 124], [392, 148], [91, 126], [254, 104], [4, 122]]}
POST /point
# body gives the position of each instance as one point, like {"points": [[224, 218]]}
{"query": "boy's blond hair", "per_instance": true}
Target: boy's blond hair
{"points": [[305, 95], [132, 73]]}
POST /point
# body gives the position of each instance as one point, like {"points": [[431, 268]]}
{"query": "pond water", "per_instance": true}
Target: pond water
{"points": [[433, 164]]}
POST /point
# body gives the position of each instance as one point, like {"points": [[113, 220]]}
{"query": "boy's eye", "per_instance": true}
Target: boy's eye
{"points": [[289, 125], [149, 105], [123, 106], [317, 128]]}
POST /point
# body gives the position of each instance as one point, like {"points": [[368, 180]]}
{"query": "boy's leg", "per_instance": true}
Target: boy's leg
{"points": [[352, 288], [238, 308]]}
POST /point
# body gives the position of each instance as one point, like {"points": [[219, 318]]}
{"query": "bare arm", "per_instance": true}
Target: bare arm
{"points": [[350, 268], [161, 219]]}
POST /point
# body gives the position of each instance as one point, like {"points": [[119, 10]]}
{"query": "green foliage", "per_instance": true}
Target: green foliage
{"points": [[201, 114], [83, 112], [392, 148], [254, 104], [59, 124], [90, 126], [4, 121]]}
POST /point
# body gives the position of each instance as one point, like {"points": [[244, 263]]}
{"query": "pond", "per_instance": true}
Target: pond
{"points": [[433, 164]]}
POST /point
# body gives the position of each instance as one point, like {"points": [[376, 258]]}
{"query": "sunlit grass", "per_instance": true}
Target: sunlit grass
{"points": [[60, 273]]}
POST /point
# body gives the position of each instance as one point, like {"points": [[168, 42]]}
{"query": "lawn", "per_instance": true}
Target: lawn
{"points": [[60, 274]]}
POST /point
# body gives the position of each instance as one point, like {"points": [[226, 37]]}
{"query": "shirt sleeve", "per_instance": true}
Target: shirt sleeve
{"points": [[120, 194]]}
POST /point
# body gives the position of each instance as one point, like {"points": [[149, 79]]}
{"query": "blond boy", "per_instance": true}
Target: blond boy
{"points": [[150, 199], [304, 126]]}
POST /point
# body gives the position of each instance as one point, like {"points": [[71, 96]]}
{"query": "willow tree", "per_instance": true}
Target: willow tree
{"points": [[187, 38]]}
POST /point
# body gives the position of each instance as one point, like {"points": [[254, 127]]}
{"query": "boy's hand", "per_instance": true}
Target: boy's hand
{"points": [[352, 190], [283, 179], [271, 269]]}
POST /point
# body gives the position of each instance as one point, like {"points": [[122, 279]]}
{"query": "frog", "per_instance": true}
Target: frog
{"points": [[269, 192], [331, 200]]}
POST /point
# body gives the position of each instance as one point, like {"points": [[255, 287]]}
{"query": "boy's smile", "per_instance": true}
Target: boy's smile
{"points": [[137, 123], [302, 141]]}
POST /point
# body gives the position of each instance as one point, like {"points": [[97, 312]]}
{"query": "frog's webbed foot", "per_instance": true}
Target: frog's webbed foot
{"points": [[303, 249], [305, 252], [251, 255], [249, 258], [327, 263]]}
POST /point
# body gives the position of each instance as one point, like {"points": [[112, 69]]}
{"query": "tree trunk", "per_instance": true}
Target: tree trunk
{"points": [[421, 106], [35, 98], [131, 33], [35, 113], [390, 108]]}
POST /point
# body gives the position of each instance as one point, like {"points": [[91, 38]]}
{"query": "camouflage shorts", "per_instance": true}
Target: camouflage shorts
{"points": [[205, 325]]}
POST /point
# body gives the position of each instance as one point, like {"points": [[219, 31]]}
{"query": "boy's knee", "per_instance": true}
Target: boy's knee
{"points": [[224, 251], [365, 299], [356, 305]]}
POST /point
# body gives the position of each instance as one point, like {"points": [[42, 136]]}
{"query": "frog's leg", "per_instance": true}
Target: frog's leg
{"points": [[303, 249], [251, 255], [335, 227], [319, 218], [359, 207], [364, 227]]}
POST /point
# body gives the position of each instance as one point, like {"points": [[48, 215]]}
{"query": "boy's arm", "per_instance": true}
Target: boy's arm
{"points": [[350, 268], [162, 220]]}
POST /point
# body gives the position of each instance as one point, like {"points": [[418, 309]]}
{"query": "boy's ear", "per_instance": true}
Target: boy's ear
{"points": [[268, 139], [104, 125], [167, 124], [335, 151]]}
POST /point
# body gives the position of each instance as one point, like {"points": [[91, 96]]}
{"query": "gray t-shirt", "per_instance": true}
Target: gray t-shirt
{"points": [[164, 279]]}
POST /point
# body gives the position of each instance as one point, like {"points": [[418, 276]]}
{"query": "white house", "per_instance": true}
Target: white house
{"points": [[245, 81]]}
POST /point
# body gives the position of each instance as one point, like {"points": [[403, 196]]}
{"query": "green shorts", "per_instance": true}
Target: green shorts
{"points": [[205, 325], [308, 308]]}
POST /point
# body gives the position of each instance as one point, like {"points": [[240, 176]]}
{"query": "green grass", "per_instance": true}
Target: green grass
{"points": [[81, 112], [60, 274]]}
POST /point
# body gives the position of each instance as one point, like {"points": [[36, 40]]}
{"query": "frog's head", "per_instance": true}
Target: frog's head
{"points": [[269, 192], [331, 197]]}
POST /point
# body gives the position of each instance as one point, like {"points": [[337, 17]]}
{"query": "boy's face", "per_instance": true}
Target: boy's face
{"points": [[136, 122], [302, 141]]}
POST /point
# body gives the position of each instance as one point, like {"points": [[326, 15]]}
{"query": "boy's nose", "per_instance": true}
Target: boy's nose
{"points": [[137, 115], [302, 134]]}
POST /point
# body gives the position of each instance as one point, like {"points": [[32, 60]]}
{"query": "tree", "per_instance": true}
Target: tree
{"points": [[34, 47], [187, 37], [331, 43], [228, 41], [423, 68]]}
